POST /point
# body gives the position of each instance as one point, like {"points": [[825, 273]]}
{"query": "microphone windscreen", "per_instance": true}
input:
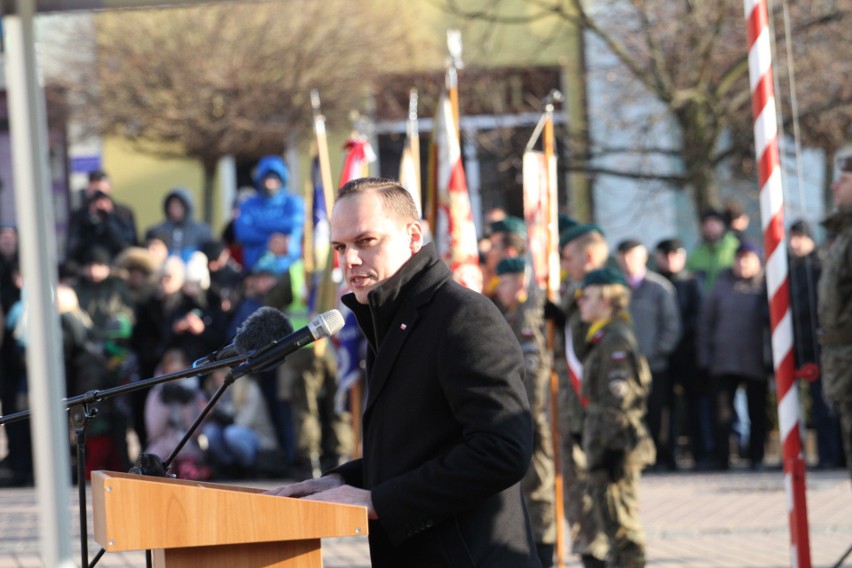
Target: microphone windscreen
{"points": [[260, 329]]}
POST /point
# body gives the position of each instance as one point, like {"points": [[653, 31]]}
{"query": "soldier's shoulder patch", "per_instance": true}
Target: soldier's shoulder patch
{"points": [[618, 388]]}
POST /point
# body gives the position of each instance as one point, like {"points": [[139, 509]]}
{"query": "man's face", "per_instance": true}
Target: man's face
{"points": [[632, 262], [842, 190], [672, 261], [271, 184], [97, 272], [746, 265], [574, 261], [712, 229], [508, 289], [372, 243], [98, 185], [8, 241], [176, 210], [801, 245]]}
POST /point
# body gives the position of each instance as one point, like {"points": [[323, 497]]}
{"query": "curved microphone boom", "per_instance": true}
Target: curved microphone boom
{"points": [[324, 325], [258, 330]]}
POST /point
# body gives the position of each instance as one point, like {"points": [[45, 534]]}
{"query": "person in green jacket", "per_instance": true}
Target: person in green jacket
{"points": [[716, 251]]}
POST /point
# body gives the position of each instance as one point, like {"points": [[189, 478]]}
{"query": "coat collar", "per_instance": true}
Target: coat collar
{"points": [[394, 310]]}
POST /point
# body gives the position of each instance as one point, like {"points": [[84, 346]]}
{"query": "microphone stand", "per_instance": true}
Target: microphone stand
{"points": [[149, 464], [84, 412]]}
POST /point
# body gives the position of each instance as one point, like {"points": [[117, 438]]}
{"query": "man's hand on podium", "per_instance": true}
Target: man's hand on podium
{"points": [[330, 489]]}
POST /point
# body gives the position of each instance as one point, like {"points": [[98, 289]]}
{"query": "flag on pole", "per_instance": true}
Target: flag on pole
{"points": [[451, 218], [409, 174], [322, 291], [356, 163], [409, 166], [350, 342], [539, 177]]}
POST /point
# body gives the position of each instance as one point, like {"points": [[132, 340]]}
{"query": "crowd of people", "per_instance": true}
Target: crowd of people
{"points": [[663, 356], [132, 309]]}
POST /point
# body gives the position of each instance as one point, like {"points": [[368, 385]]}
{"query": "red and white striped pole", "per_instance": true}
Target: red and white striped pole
{"points": [[777, 281]]}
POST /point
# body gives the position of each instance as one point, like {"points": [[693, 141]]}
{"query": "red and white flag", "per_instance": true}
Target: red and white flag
{"points": [[454, 232], [356, 164]]}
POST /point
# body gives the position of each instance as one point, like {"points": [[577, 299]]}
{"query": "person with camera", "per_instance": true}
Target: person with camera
{"points": [[99, 221]]}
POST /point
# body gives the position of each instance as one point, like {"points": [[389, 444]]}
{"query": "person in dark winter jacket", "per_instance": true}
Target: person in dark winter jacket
{"points": [[447, 429], [734, 350], [180, 231]]}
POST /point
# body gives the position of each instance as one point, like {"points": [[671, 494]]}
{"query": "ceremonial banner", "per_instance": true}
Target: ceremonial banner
{"points": [[539, 175], [452, 226]]}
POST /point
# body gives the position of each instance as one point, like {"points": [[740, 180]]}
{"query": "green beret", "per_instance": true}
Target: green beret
{"points": [[604, 276], [509, 225], [510, 266], [565, 222], [576, 231]]}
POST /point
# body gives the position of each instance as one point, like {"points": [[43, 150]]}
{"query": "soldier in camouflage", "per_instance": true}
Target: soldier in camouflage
{"points": [[523, 308], [835, 307], [583, 248], [616, 381]]}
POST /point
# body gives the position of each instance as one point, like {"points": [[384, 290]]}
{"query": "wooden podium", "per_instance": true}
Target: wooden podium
{"points": [[207, 525]]}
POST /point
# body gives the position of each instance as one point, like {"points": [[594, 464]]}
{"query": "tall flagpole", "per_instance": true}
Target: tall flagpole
{"points": [[454, 63], [777, 281], [322, 151], [413, 133], [552, 234]]}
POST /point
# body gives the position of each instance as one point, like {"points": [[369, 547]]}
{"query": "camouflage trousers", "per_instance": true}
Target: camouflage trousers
{"points": [[587, 534], [538, 484], [844, 411], [319, 430], [616, 504], [837, 385]]}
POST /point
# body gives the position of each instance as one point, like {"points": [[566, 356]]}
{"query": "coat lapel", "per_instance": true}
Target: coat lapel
{"points": [[386, 358]]}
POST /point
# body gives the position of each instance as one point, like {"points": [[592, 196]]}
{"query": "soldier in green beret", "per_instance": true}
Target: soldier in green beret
{"points": [[508, 239], [583, 249], [523, 310], [616, 381]]}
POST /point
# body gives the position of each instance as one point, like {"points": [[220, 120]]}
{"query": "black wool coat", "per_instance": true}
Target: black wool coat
{"points": [[447, 428]]}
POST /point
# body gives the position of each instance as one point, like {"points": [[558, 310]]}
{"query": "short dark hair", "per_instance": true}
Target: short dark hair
{"points": [[97, 175], [394, 197]]}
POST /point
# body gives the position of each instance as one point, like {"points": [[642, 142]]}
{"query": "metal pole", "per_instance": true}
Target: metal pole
{"points": [[28, 127], [777, 274]]}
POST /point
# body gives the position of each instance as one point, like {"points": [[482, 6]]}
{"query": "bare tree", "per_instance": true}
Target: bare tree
{"points": [[213, 80], [690, 59]]}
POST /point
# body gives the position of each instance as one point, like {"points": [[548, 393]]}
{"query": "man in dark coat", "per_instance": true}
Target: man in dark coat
{"points": [[447, 428]]}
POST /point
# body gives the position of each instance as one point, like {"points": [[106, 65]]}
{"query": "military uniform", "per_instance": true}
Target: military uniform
{"points": [[308, 379], [527, 323], [587, 536], [835, 318], [616, 381]]}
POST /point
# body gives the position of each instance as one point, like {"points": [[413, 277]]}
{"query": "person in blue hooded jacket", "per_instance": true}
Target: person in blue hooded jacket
{"points": [[180, 231], [272, 210]]}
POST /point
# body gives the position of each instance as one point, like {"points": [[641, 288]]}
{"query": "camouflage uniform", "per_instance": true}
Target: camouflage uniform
{"points": [[527, 322], [835, 318], [617, 444], [587, 536]]}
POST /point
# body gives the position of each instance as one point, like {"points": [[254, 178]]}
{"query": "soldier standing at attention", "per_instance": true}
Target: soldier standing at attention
{"points": [[616, 380], [835, 307], [523, 309]]}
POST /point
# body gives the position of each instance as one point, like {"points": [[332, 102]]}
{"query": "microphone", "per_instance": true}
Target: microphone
{"points": [[256, 332], [326, 324]]}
